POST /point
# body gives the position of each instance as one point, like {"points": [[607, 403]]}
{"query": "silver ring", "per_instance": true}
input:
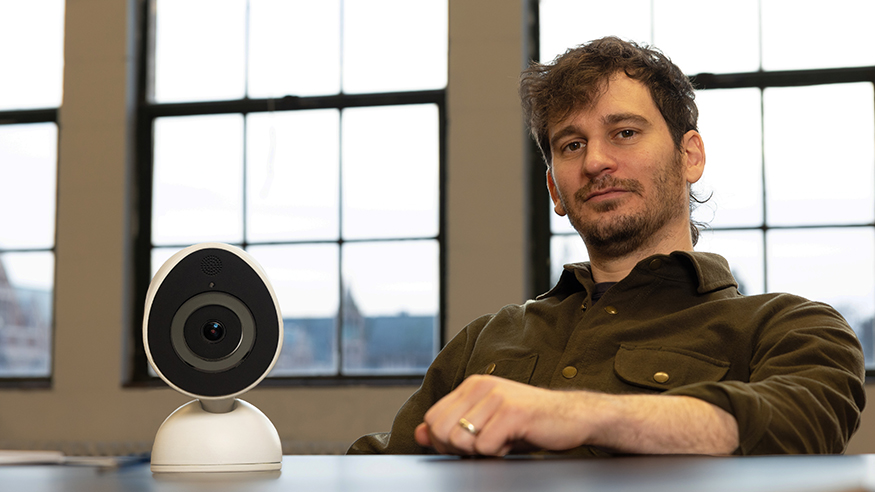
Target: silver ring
{"points": [[468, 426]]}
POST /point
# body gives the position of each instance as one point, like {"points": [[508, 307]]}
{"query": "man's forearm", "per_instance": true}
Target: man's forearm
{"points": [[657, 424], [502, 415]]}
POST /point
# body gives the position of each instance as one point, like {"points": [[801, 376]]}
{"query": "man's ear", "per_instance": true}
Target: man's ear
{"points": [[554, 194], [694, 156]]}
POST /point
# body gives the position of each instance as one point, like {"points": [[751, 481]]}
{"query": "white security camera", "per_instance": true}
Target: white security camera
{"points": [[212, 330]]}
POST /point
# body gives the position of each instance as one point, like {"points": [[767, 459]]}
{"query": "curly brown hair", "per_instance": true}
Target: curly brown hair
{"points": [[574, 80]]}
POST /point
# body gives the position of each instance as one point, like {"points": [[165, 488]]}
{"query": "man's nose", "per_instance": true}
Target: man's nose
{"points": [[598, 159]]}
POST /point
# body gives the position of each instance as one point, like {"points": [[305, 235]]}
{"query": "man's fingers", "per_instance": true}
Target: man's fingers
{"points": [[468, 426], [489, 436], [421, 435], [501, 416], [443, 420]]}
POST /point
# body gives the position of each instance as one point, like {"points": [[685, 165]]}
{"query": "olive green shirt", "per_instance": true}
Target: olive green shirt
{"points": [[789, 370]]}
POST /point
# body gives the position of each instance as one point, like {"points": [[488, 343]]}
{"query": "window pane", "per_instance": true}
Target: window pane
{"points": [[720, 37], [26, 283], [803, 35], [31, 54], [390, 312], [28, 167], [567, 23], [730, 124], [835, 266], [305, 279], [292, 175], [199, 50], [390, 172], [294, 48], [394, 45], [819, 151], [744, 252], [565, 249], [198, 190]]}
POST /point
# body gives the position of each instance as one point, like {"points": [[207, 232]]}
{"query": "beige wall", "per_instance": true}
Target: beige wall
{"points": [[485, 232]]}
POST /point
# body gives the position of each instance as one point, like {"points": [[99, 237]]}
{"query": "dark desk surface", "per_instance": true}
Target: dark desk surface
{"points": [[430, 473]]}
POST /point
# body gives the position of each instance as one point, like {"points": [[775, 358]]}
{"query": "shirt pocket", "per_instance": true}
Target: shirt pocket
{"points": [[664, 368], [517, 369]]}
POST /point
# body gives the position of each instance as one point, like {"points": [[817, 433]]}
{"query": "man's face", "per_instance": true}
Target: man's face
{"points": [[617, 173]]}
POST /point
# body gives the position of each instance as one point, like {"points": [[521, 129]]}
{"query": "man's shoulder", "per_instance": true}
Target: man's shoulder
{"points": [[508, 313], [787, 304]]}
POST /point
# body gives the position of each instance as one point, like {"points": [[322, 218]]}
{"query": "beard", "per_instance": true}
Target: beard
{"points": [[621, 234]]}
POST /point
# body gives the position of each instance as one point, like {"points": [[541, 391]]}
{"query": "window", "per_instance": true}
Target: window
{"points": [[311, 134], [31, 59], [789, 125]]}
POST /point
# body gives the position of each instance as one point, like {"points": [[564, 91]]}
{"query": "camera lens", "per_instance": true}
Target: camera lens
{"points": [[209, 332], [214, 331]]}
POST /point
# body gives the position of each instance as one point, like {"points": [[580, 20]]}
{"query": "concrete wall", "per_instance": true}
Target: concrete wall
{"points": [[486, 240]]}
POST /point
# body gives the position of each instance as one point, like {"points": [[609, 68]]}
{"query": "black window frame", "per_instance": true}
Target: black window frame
{"points": [[147, 112]]}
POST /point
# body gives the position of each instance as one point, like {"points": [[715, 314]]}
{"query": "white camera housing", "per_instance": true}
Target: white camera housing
{"points": [[212, 330]]}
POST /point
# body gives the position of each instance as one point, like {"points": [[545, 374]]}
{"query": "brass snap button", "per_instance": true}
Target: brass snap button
{"points": [[583, 306], [490, 368], [569, 372], [611, 310], [661, 377], [656, 264]]}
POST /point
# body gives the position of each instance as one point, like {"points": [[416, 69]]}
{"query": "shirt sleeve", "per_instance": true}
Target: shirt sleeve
{"points": [[806, 390]]}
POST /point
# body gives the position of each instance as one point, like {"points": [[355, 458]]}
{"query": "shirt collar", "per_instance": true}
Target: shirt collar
{"points": [[711, 271]]}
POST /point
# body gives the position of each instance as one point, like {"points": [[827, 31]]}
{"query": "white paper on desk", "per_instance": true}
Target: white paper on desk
{"points": [[58, 458], [8, 457]]}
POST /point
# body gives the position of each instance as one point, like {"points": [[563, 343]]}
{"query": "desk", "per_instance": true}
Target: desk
{"points": [[437, 473]]}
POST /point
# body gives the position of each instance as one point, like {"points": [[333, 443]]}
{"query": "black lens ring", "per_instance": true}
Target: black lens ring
{"points": [[177, 331]]}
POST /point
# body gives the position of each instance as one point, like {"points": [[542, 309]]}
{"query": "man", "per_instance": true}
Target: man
{"points": [[648, 347]]}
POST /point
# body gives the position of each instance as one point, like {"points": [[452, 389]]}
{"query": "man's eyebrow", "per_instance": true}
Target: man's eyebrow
{"points": [[613, 119], [564, 132]]}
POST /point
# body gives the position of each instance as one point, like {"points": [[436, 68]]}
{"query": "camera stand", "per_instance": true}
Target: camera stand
{"points": [[226, 435]]}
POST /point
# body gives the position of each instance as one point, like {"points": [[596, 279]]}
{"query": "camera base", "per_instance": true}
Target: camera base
{"points": [[192, 439]]}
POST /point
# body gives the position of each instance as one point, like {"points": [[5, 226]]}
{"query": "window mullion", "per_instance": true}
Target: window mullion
{"points": [[340, 280]]}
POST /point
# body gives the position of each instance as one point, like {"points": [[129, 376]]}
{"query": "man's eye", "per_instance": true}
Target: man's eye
{"points": [[627, 133], [574, 146]]}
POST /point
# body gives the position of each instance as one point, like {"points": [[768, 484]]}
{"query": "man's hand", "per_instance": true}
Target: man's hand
{"points": [[508, 415], [505, 414]]}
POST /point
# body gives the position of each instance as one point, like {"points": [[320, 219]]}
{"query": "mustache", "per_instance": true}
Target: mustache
{"points": [[605, 182]]}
